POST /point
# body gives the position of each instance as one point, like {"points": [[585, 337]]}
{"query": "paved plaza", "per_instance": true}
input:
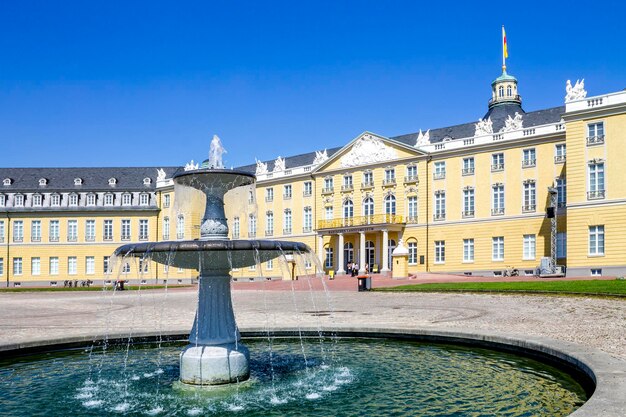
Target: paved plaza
{"points": [[36, 316]]}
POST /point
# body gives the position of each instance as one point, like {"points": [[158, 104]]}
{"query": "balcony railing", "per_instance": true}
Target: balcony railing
{"points": [[411, 219], [595, 140], [347, 187], [251, 234], [18, 239], [389, 181], [307, 229], [439, 216], [35, 238], [287, 231], [1, 239], [360, 221], [439, 175], [269, 199], [306, 194], [559, 159], [468, 213], [410, 179], [105, 238], [269, 232], [498, 211], [167, 236], [367, 185], [143, 237], [528, 208], [89, 238], [180, 236], [497, 167], [327, 190], [286, 196], [529, 163], [595, 195], [127, 237], [467, 171], [74, 238]]}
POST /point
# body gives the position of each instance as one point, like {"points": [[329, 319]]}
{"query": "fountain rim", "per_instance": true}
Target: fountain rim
{"points": [[216, 245], [606, 373], [214, 171]]}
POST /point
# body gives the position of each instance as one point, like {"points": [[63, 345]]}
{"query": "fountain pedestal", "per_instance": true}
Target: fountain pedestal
{"points": [[215, 354]]}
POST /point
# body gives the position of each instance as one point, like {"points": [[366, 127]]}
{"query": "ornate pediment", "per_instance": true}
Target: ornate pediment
{"points": [[366, 150]]}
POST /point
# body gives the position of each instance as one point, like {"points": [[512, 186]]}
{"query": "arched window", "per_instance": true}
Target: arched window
{"points": [[348, 209], [348, 252], [500, 91], [390, 204], [509, 91], [368, 207], [166, 228], [180, 227]]}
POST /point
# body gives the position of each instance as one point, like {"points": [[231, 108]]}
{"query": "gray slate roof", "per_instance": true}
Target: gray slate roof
{"points": [[498, 115], [94, 179]]}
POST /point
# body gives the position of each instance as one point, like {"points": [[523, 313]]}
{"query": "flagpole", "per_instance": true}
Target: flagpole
{"points": [[503, 46]]}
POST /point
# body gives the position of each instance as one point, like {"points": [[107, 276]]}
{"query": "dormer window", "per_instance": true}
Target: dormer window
{"points": [[78, 181], [43, 182], [19, 200], [147, 181], [108, 199], [3, 200], [7, 181], [73, 200], [37, 199], [91, 199], [55, 200], [112, 182], [126, 199], [144, 199]]}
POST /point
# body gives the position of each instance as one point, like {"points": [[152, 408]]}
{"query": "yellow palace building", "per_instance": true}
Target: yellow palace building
{"points": [[512, 190]]}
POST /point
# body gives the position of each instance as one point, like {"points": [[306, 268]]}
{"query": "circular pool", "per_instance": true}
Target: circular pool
{"points": [[290, 376]]}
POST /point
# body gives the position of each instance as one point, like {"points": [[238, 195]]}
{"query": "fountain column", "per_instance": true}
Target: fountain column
{"points": [[340, 259]]}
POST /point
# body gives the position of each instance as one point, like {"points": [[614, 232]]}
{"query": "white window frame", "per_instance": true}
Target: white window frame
{"points": [[35, 266], [144, 199], [127, 199], [596, 240], [440, 251], [54, 265], [73, 200], [90, 265], [18, 266], [497, 248], [37, 200], [529, 247], [72, 265], [412, 247], [468, 250]]}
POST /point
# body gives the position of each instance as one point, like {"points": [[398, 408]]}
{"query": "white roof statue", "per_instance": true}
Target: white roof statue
{"points": [[279, 164], [320, 157], [189, 166], [484, 127], [512, 123], [423, 139], [261, 168], [576, 92], [161, 174]]}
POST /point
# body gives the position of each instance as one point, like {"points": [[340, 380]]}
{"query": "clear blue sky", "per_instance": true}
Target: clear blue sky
{"points": [[131, 83]]}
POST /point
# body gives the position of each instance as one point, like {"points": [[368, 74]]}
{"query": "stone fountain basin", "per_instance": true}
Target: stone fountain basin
{"points": [[211, 254], [206, 178]]}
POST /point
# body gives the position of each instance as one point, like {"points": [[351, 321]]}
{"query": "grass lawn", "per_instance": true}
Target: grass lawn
{"points": [[94, 288], [594, 287]]}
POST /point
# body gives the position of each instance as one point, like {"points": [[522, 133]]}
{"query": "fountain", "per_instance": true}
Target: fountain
{"points": [[215, 354]]}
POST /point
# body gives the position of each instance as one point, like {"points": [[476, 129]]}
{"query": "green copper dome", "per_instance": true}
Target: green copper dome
{"points": [[504, 77]]}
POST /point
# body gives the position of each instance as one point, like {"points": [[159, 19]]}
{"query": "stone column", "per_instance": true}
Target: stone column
{"points": [[385, 262], [362, 258], [340, 260], [320, 248]]}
